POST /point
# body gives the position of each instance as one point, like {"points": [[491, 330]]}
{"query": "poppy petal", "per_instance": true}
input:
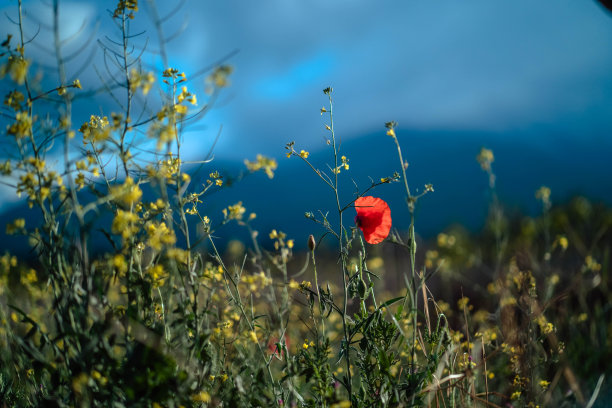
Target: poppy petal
{"points": [[373, 218]]}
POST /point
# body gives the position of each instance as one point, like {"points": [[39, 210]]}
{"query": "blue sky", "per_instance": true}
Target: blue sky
{"points": [[476, 65], [538, 74]]}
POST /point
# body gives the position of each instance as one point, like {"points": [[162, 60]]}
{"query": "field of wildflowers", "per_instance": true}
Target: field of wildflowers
{"points": [[517, 315]]}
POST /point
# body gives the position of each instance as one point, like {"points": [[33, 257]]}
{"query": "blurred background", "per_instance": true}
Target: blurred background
{"points": [[530, 80]]}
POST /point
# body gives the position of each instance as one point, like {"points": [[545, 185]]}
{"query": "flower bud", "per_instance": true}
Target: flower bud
{"points": [[311, 243]]}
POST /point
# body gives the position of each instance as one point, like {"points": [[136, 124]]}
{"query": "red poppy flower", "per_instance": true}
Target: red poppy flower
{"points": [[373, 218]]}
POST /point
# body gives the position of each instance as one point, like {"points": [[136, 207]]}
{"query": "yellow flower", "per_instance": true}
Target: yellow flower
{"points": [[79, 383], [543, 194], [304, 154], [268, 165], [158, 275], [125, 223], [31, 276], [464, 302], [202, 396], [159, 235], [17, 68], [485, 158], [17, 225], [128, 193], [22, 125], [120, 263], [234, 212], [180, 109]]}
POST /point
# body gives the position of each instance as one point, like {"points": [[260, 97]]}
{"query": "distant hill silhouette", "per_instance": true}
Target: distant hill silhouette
{"points": [[444, 158]]}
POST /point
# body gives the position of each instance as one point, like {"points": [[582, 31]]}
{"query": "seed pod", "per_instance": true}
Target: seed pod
{"points": [[311, 243]]}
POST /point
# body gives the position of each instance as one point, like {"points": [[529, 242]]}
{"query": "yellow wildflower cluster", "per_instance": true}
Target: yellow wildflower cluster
{"points": [[545, 326], [62, 89], [158, 275], [14, 100], [432, 259], [16, 67], [185, 96], [157, 207], [543, 195], [561, 241], [267, 164], [211, 272], [96, 130], [98, 377], [79, 383], [488, 336], [513, 351], [194, 199], [128, 193], [463, 303], [201, 397], [253, 336], [7, 262], [163, 131], [304, 286], [446, 240], [344, 165], [6, 168], [280, 240], [16, 226], [142, 81], [22, 126], [130, 5], [36, 183], [166, 169], [119, 263], [218, 178], [174, 74], [591, 265], [224, 328], [234, 212], [219, 78], [178, 255], [125, 223], [256, 281], [29, 277], [159, 235], [485, 158], [307, 344]]}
